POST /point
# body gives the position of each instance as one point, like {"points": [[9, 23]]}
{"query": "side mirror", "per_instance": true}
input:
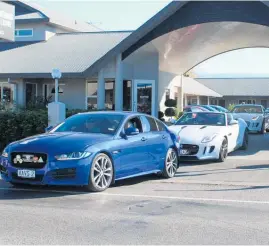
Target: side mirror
{"points": [[47, 129], [131, 131], [233, 122]]}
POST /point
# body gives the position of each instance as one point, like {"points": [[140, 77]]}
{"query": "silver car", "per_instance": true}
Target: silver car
{"points": [[254, 115]]}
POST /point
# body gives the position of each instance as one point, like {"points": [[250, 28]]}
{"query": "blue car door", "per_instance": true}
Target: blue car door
{"points": [[131, 151], [156, 143]]}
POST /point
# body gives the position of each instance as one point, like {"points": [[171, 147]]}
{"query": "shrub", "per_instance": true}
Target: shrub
{"points": [[171, 103], [16, 125], [170, 112]]}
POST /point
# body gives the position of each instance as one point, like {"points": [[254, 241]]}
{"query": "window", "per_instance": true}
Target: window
{"points": [[167, 94], [7, 92], [30, 92], [134, 122], [152, 123], [247, 101], [264, 103], [109, 94], [222, 103], [24, 32], [161, 126], [49, 91], [91, 123], [92, 95]]}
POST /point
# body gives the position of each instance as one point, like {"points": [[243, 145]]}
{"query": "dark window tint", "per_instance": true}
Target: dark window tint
{"points": [[161, 126], [91, 123], [152, 123]]}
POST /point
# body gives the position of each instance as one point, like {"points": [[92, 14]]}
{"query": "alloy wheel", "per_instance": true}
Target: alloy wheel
{"points": [[102, 172], [171, 162]]}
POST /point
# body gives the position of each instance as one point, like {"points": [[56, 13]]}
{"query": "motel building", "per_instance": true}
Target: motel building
{"points": [[125, 70]]}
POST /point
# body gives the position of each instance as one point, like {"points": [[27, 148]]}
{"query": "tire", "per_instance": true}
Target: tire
{"points": [[171, 164], [101, 174], [223, 150], [245, 141]]}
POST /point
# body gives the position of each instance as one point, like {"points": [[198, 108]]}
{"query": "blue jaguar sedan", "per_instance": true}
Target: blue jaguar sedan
{"points": [[92, 150]]}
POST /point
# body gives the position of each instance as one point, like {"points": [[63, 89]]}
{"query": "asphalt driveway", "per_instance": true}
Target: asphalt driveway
{"points": [[206, 203]]}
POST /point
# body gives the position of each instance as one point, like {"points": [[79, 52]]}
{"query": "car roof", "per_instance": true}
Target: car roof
{"points": [[123, 113], [242, 105], [206, 112]]}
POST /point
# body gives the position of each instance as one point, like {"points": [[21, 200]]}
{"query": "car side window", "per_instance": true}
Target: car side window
{"points": [[134, 122], [153, 125], [161, 126]]}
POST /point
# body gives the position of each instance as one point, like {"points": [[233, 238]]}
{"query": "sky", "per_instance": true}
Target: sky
{"points": [[129, 15]]}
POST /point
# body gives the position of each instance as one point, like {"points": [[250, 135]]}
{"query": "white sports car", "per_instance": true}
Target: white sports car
{"points": [[209, 135], [254, 115]]}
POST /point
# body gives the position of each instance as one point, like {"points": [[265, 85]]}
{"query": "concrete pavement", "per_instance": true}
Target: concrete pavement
{"points": [[206, 203]]}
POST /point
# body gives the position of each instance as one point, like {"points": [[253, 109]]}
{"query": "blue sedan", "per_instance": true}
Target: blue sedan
{"points": [[92, 150]]}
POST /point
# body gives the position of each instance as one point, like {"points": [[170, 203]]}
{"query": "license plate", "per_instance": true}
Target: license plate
{"points": [[28, 174], [184, 152]]}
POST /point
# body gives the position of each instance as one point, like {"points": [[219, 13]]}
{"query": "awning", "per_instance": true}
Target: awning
{"points": [[193, 87]]}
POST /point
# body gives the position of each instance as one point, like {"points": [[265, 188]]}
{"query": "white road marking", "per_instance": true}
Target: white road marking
{"points": [[197, 199]]}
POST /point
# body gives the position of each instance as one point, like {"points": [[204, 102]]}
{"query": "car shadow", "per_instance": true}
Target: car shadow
{"points": [[265, 166]]}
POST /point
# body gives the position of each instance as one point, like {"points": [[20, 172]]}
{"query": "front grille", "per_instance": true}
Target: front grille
{"points": [[188, 158], [38, 177], [66, 173], [28, 160], [192, 149], [248, 123]]}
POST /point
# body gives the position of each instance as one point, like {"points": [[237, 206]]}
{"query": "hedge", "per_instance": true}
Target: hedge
{"points": [[18, 125]]}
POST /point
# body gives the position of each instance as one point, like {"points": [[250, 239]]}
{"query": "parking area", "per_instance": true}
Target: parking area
{"points": [[206, 203]]}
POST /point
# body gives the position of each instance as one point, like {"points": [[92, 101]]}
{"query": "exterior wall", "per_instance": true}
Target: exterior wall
{"points": [[235, 100], [74, 92], [148, 69], [41, 32]]}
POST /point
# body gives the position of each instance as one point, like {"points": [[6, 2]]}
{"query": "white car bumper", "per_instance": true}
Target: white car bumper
{"points": [[203, 151]]}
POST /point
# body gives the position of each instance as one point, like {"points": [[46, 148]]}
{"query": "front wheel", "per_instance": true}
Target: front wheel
{"points": [[101, 173], [223, 150], [171, 164]]}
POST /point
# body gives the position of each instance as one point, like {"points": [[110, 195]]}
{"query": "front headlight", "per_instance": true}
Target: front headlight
{"points": [[5, 153], [72, 156], [208, 139]]}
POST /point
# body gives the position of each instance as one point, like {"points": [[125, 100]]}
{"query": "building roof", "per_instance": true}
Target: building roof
{"points": [[192, 87], [238, 87], [72, 53], [13, 45], [29, 12]]}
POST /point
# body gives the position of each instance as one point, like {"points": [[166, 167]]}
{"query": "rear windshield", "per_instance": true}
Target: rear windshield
{"points": [[248, 109]]}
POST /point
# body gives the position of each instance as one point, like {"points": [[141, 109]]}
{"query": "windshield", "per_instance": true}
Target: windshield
{"points": [[212, 119], [248, 109], [91, 123]]}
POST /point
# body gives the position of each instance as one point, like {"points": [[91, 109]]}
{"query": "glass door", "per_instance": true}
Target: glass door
{"points": [[144, 96]]}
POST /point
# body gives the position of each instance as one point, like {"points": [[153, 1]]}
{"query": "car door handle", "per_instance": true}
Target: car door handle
{"points": [[230, 134], [164, 137], [143, 139]]}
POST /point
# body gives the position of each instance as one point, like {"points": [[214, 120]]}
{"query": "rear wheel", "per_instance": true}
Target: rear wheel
{"points": [[171, 164], [101, 174], [223, 150]]}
